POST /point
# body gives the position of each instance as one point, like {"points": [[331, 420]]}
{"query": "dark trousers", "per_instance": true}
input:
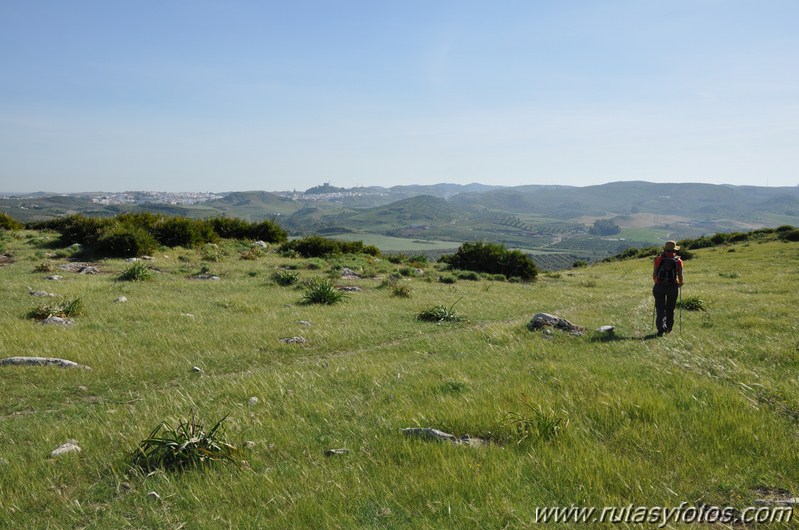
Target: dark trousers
{"points": [[665, 302]]}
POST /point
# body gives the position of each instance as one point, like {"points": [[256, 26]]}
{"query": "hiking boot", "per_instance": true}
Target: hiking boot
{"points": [[660, 333]]}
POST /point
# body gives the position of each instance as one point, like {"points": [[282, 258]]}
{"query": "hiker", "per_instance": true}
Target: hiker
{"points": [[667, 275]]}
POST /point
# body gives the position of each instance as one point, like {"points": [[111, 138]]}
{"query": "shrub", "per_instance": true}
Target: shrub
{"points": [[124, 241], [440, 313], [492, 258], [321, 291], [320, 247], [183, 232], [45, 266], [468, 275], [138, 272], [285, 278], [252, 253], [579, 264], [185, 446], [447, 279], [790, 235], [64, 308], [9, 223]]}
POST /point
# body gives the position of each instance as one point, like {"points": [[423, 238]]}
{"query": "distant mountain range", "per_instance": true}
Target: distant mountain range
{"points": [[547, 220]]}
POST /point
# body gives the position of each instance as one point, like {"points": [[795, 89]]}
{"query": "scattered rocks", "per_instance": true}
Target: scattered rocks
{"points": [[348, 288], [775, 497], [121, 299], [545, 320], [427, 433], [41, 361], [80, 268], [294, 340], [70, 446], [56, 321], [54, 278], [337, 452]]}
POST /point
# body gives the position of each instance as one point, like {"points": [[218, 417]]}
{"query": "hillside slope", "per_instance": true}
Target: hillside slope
{"points": [[707, 415]]}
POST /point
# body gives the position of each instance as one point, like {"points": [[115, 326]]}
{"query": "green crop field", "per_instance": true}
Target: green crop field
{"points": [[708, 415]]}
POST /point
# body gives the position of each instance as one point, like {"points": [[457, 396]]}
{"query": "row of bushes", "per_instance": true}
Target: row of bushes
{"points": [[319, 247], [782, 233], [134, 234]]}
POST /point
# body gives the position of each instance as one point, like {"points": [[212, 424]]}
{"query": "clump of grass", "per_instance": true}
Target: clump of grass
{"points": [[468, 275], [138, 272], [440, 313], [252, 254], [692, 303], [536, 424], [186, 445], [729, 275], [45, 266], [285, 277], [64, 308], [322, 291], [400, 290], [447, 279]]}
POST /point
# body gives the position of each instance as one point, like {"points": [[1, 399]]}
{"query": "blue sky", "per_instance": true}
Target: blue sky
{"points": [[240, 95]]}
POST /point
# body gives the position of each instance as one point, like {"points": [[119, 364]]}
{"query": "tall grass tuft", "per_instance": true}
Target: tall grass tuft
{"points": [[64, 308], [138, 272], [185, 446], [534, 424], [440, 313], [322, 291], [285, 277]]}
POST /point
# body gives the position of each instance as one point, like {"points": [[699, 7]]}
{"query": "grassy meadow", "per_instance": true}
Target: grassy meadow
{"points": [[706, 415]]}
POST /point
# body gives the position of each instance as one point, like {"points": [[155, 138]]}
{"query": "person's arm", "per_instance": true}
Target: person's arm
{"points": [[679, 273], [655, 268]]}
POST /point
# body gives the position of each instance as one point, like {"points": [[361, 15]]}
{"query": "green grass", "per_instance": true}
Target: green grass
{"points": [[704, 416]]}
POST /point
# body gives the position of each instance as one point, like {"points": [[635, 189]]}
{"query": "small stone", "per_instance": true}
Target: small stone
{"points": [[82, 388], [253, 401], [304, 323], [57, 321], [606, 329], [337, 452], [261, 244], [197, 369], [187, 315], [132, 260], [41, 293], [148, 258], [70, 446], [293, 340], [89, 270], [153, 495], [121, 299], [54, 277], [349, 289]]}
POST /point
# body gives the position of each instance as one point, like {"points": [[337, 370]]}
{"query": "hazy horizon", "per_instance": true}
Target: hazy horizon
{"points": [[268, 96]]}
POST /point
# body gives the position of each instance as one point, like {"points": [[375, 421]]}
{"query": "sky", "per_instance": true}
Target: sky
{"points": [[234, 95]]}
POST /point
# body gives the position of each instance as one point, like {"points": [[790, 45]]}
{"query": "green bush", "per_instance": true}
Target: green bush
{"points": [[790, 235], [9, 223], [691, 303], [400, 290], [468, 275], [492, 258], [125, 241], [320, 247]]}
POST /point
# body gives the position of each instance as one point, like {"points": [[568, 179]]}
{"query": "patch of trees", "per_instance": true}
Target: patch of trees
{"points": [[136, 234], [604, 227], [492, 258], [9, 223]]}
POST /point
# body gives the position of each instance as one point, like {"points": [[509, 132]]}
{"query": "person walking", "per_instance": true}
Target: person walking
{"points": [[667, 275]]}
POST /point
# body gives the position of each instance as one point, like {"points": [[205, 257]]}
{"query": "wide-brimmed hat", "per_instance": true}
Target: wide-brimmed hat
{"points": [[671, 245]]}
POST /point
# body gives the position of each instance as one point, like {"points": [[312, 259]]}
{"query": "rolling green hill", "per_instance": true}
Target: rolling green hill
{"points": [[708, 415]]}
